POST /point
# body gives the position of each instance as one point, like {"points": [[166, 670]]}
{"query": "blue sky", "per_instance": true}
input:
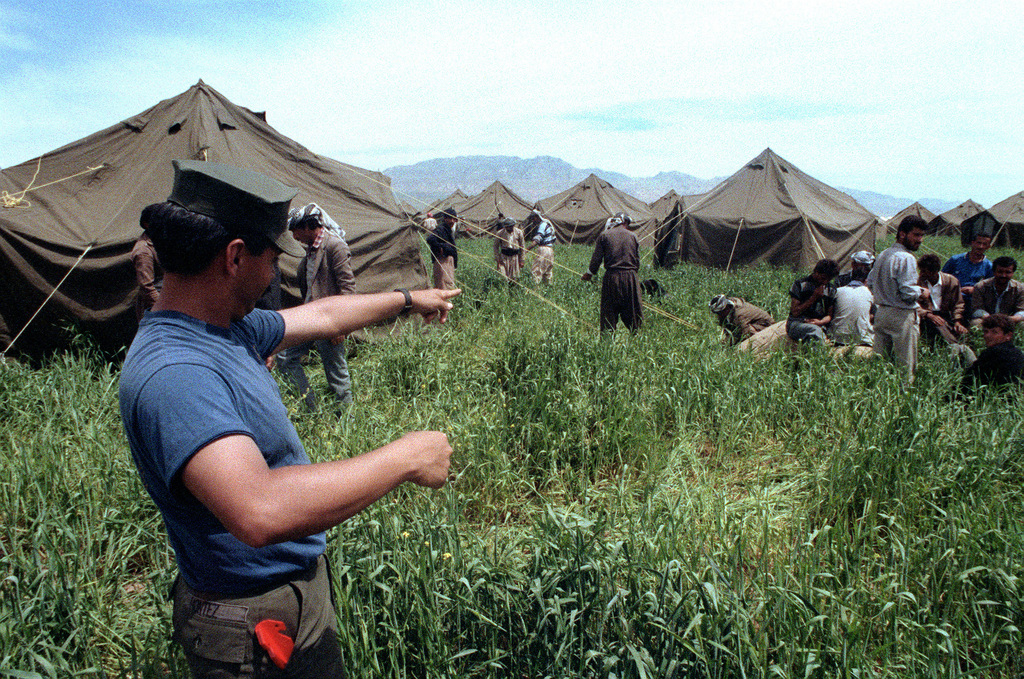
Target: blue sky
{"points": [[912, 99]]}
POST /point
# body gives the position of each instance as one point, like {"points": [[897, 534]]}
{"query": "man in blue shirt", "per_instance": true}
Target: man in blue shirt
{"points": [[245, 510], [971, 266], [544, 240]]}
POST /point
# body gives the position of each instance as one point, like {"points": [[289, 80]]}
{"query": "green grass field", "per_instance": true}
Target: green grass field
{"points": [[650, 506]]}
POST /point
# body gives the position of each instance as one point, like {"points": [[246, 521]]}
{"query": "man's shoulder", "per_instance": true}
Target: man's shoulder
{"points": [[948, 280]]}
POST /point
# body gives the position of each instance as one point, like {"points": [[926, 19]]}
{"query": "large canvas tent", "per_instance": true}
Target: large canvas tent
{"points": [[770, 211], [72, 235], [580, 212], [479, 214], [948, 223]]}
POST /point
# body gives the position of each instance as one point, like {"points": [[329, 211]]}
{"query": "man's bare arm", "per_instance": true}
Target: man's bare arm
{"points": [[262, 506], [342, 314]]}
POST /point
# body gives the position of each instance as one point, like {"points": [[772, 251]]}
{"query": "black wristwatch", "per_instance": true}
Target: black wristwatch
{"points": [[408, 301]]}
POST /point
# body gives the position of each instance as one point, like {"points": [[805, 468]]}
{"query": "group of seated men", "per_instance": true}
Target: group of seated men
{"points": [[969, 290]]}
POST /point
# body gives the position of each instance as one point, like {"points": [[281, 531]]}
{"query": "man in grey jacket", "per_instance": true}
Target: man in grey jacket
{"points": [[893, 282], [326, 270]]}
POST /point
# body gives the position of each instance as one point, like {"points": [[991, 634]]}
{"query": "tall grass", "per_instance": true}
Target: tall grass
{"points": [[637, 506]]}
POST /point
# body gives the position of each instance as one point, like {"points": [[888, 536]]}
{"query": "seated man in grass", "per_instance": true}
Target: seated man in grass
{"points": [[1000, 294], [812, 303], [1001, 362]]}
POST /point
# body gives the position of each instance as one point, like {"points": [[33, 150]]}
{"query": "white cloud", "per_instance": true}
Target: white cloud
{"points": [[909, 98]]}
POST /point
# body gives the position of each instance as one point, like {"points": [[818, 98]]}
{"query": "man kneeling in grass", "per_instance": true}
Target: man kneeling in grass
{"points": [[1001, 362]]}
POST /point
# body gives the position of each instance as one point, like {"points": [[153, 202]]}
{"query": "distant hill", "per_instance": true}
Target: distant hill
{"points": [[543, 176]]}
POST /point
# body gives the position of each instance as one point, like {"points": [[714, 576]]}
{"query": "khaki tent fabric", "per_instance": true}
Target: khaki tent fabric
{"points": [[948, 223], [479, 214], [580, 212], [127, 166], [912, 209], [667, 237], [1010, 215], [771, 212], [456, 200], [661, 207]]}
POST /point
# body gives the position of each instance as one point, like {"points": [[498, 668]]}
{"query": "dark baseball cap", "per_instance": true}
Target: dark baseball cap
{"points": [[245, 202]]}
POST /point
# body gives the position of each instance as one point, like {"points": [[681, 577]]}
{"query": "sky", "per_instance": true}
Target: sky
{"points": [[923, 100]]}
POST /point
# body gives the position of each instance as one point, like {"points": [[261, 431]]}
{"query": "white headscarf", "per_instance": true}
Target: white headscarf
{"points": [[314, 211]]}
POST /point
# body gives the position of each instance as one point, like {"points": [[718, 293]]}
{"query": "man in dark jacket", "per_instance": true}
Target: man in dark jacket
{"points": [[1001, 362], [619, 251], [443, 252]]}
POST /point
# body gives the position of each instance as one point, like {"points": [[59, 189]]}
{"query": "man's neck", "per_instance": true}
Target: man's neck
{"points": [[975, 257], [191, 295]]}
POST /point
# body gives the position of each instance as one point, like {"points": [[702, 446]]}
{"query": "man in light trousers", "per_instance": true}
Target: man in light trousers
{"points": [[893, 282]]}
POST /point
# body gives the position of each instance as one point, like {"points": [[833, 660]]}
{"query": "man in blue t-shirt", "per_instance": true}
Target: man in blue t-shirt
{"points": [[245, 510], [971, 266]]}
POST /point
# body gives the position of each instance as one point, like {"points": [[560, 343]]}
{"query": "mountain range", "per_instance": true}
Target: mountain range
{"points": [[428, 181]]}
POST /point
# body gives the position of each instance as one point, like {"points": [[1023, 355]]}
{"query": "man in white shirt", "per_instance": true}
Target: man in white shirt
{"points": [[851, 320], [893, 282]]}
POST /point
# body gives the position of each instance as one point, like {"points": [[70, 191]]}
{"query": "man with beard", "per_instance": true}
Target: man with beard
{"points": [[893, 283]]}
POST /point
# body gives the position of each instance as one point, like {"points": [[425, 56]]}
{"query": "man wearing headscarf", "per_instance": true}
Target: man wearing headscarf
{"points": [[443, 252], [618, 249], [326, 270], [509, 249], [738, 318], [544, 240]]}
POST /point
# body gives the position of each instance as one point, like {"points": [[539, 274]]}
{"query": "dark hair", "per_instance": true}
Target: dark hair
{"points": [[147, 214], [308, 222], [186, 242], [929, 262], [1001, 321], [827, 267], [911, 222], [1005, 260]]}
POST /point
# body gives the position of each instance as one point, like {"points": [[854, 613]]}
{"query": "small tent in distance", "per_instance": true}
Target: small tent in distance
{"points": [[769, 211], [97, 186], [579, 213], [948, 223], [913, 209], [479, 214]]}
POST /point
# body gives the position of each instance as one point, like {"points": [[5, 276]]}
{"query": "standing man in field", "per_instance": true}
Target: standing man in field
{"points": [[509, 249], [148, 272], [430, 224], [443, 252], [893, 282], [544, 240], [245, 510], [619, 251], [326, 270]]}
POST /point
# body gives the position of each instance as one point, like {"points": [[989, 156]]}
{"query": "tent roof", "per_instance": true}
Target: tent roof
{"points": [[957, 215], [481, 212], [91, 193], [579, 213], [912, 209], [771, 211], [1009, 210]]}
